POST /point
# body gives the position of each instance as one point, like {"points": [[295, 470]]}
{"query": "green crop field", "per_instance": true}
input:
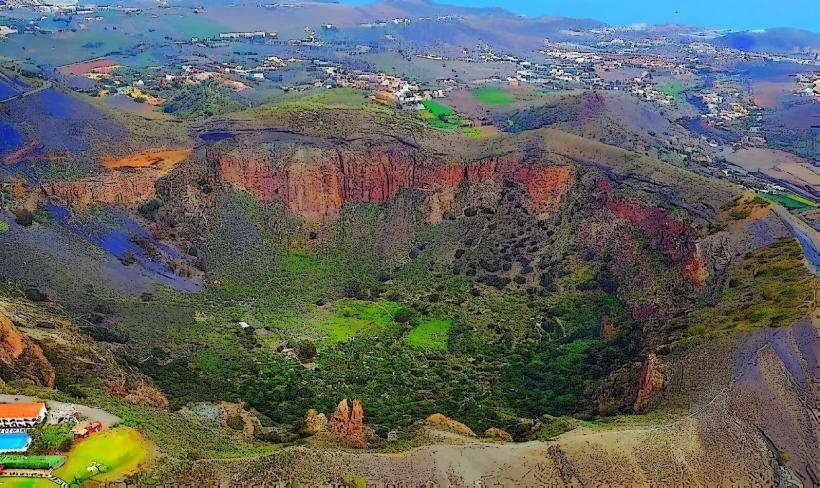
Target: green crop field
{"points": [[441, 117], [790, 200], [15, 461], [493, 96], [431, 334], [437, 109]]}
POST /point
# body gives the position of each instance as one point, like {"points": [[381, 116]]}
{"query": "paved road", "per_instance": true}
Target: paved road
{"points": [[45, 86], [808, 237]]}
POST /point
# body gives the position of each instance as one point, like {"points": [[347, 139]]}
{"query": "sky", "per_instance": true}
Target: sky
{"points": [[729, 14]]}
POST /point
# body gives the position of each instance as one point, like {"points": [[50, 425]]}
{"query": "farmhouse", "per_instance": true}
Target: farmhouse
{"points": [[21, 415], [84, 429]]}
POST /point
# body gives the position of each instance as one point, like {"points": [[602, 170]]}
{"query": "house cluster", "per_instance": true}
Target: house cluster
{"points": [[309, 40], [808, 85], [725, 102], [388, 88], [644, 88], [248, 35], [17, 419]]}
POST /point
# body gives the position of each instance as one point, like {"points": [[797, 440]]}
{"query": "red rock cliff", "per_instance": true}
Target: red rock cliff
{"points": [[347, 424], [317, 183], [119, 187], [21, 357]]}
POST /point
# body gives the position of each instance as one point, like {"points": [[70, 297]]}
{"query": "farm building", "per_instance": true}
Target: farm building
{"points": [[21, 415], [85, 429]]}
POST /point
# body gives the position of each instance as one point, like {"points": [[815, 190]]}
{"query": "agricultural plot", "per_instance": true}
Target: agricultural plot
{"points": [[493, 96], [790, 200], [17, 461], [441, 117]]}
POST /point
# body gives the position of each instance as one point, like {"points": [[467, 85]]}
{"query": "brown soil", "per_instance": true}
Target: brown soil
{"points": [[163, 159]]}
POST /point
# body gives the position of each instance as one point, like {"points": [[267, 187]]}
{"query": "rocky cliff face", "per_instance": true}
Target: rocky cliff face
{"points": [[22, 358], [347, 424], [117, 187], [652, 378], [316, 182]]}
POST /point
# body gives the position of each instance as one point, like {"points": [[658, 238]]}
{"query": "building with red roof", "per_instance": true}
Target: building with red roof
{"points": [[21, 415]]}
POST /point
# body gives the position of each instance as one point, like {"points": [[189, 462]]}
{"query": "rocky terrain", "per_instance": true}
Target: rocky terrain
{"points": [[568, 288]]}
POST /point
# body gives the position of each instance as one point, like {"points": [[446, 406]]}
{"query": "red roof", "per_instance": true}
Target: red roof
{"points": [[20, 410]]}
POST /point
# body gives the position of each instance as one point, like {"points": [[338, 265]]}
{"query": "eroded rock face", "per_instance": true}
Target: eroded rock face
{"points": [[314, 423], [22, 358], [498, 434], [116, 187], [347, 424], [652, 378], [444, 422], [316, 183]]}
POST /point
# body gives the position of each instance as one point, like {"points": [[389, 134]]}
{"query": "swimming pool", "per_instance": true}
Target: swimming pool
{"points": [[14, 441]]}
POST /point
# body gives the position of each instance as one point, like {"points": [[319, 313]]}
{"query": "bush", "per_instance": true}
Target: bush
{"points": [[24, 217], [4, 227], [306, 351], [51, 438], [235, 422]]}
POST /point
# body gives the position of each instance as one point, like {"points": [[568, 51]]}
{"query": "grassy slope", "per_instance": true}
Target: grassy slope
{"points": [[770, 288], [118, 452]]}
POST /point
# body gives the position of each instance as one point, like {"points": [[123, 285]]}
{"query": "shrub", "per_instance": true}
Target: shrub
{"points": [[24, 217], [306, 351], [51, 438], [235, 422]]}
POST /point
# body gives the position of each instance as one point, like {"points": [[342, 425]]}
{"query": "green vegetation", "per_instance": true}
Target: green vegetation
{"points": [[431, 334], [493, 96], [104, 456], [202, 100], [790, 200], [4, 227], [771, 287], [742, 206], [318, 99], [235, 422], [17, 461], [673, 89], [351, 317], [442, 117], [51, 438]]}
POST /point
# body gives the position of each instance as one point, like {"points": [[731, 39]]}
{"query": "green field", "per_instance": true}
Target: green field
{"points": [[493, 96], [351, 317], [438, 109], [790, 200], [431, 334], [441, 117], [673, 89], [15, 461], [114, 452]]}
